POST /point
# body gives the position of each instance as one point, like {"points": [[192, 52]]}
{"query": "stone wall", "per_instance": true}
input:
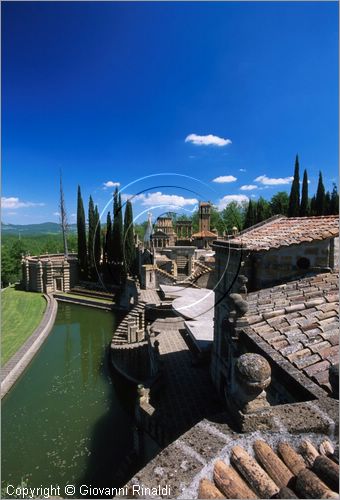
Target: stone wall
{"points": [[273, 266], [289, 262], [50, 273]]}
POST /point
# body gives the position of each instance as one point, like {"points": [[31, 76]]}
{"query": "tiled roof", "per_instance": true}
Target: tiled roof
{"points": [[305, 470], [204, 234], [284, 231], [299, 319]]}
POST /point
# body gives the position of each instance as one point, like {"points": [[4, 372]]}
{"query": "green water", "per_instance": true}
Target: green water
{"points": [[62, 422]]}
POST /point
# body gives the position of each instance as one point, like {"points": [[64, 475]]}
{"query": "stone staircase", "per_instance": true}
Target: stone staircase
{"points": [[164, 277], [120, 336], [200, 269]]}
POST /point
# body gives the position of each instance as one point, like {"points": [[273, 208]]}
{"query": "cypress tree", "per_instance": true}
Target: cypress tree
{"points": [[129, 241], [304, 196], [92, 227], [294, 198], [262, 210], [97, 240], [117, 237], [320, 200], [81, 233], [104, 249], [334, 208], [250, 215], [327, 203], [108, 238], [313, 205]]}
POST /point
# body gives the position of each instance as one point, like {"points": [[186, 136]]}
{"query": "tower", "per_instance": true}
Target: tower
{"points": [[204, 216]]}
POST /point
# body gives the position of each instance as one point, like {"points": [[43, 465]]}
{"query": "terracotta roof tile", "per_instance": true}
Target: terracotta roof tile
{"points": [[283, 231], [204, 234], [306, 331]]}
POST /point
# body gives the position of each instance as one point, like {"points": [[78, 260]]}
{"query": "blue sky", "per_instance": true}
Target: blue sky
{"points": [[111, 92]]}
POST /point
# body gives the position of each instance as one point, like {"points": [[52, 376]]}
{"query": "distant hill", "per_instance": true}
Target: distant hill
{"points": [[35, 229]]}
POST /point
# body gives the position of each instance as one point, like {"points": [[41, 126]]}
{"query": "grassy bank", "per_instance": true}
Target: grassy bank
{"points": [[21, 313]]}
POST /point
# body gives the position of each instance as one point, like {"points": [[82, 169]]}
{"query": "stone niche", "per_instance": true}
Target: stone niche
{"points": [[50, 273]]}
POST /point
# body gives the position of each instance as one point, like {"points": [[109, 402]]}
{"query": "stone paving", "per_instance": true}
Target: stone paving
{"points": [[188, 394], [149, 297]]}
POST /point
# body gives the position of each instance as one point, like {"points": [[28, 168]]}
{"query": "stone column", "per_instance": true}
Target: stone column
{"points": [[40, 283], [26, 274], [66, 276], [49, 277]]}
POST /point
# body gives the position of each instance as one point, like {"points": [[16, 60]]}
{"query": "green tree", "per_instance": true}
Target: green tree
{"points": [[97, 240], [91, 237], [81, 233], [327, 203], [117, 237], [129, 241], [108, 239], [294, 198], [313, 205], [320, 199], [304, 196], [334, 207], [250, 218], [279, 203], [263, 211], [232, 216]]}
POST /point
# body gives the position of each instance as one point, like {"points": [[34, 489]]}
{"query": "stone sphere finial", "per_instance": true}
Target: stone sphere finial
{"points": [[254, 371], [252, 377]]}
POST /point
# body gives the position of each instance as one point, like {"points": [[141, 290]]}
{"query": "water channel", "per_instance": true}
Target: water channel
{"points": [[67, 419]]}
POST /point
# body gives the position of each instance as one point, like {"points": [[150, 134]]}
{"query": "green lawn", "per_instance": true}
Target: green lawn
{"points": [[21, 313]]}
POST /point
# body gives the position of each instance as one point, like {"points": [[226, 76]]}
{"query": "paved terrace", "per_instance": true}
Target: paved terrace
{"points": [[196, 306], [188, 394]]}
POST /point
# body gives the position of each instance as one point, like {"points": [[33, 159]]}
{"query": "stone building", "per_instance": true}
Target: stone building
{"points": [[276, 250], [164, 234], [204, 237], [290, 314], [50, 273]]}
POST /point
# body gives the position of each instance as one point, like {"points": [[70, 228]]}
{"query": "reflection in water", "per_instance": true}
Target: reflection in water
{"points": [[62, 422]]}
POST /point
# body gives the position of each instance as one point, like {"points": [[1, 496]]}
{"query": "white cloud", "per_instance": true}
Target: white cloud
{"points": [[13, 202], [110, 184], [225, 178], [248, 187], [207, 140], [238, 198], [267, 181], [56, 214], [173, 200], [242, 170], [158, 198]]}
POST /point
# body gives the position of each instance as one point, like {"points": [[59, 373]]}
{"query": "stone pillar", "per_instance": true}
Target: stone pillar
{"points": [[49, 277], [66, 276], [40, 282], [252, 377], [26, 274]]}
